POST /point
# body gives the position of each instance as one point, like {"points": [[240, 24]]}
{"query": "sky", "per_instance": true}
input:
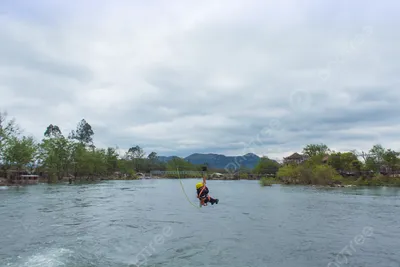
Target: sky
{"points": [[230, 77]]}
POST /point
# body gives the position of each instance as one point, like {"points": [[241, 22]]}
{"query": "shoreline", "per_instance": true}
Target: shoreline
{"points": [[264, 181], [276, 183]]}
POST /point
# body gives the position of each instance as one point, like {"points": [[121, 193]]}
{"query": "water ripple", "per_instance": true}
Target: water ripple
{"points": [[110, 223]]}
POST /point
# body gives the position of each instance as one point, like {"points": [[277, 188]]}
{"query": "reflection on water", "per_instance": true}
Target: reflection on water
{"points": [[112, 222]]}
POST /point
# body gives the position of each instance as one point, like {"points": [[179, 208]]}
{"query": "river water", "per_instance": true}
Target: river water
{"points": [[152, 223]]}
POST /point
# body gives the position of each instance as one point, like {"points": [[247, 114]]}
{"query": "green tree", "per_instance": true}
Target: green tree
{"points": [[56, 156], [136, 154], [312, 150], [126, 167], [152, 156], [52, 131], [380, 158], [374, 160], [348, 161], [302, 174], [391, 159], [289, 173], [112, 160], [97, 160], [356, 165], [83, 133], [80, 160], [20, 152], [335, 160], [266, 166], [8, 129], [377, 152], [323, 175], [150, 163], [371, 164]]}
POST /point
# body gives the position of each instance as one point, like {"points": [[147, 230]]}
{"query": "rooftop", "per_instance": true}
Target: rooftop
{"points": [[296, 156]]}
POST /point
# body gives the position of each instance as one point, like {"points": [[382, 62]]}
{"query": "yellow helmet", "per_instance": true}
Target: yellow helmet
{"points": [[199, 185]]}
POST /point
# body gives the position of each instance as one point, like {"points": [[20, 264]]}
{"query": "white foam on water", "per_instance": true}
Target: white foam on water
{"points": [[53, 257]]}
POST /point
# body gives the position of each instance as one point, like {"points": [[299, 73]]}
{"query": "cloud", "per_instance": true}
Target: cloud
{"points": [[229, 77]]}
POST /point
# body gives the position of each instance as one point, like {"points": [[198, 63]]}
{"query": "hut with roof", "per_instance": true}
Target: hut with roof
{"points": [[295, 158]]}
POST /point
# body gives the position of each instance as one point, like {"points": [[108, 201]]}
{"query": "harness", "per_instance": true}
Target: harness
{"points": [[203, 198]]}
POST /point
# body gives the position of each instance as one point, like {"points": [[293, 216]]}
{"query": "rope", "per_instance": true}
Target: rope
{"points": [[183, 189]]}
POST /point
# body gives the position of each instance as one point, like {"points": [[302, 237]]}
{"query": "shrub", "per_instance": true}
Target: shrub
{"points": [[243, 176], [309, 174], [288, 173], [325, 174], [304, 175], [268, 181], [379, 180]]}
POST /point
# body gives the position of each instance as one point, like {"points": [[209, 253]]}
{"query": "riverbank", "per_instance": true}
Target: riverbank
{"points": [[54, 180], [375, 181], [336, 181]]}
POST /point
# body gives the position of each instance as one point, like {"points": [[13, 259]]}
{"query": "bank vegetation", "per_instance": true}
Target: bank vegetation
{"points": [[74, 157], [319, 165]]}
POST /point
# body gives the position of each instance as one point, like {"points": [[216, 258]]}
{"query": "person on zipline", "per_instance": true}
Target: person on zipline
{"points": [[202, 192]]}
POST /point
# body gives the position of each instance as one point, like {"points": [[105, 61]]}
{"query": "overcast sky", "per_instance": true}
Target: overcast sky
{"points": [[226, 76]]}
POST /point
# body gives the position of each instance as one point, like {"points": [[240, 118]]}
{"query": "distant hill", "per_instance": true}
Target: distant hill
{"points": [[165, 159], [218, 161]]}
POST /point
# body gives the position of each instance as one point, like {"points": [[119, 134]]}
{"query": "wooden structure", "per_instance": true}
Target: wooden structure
{"points": [[14, 176], [295, 158], [24, 179], [325, 159]]}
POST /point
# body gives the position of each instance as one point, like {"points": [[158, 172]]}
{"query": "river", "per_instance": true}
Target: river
{"points": [[152, 223]]}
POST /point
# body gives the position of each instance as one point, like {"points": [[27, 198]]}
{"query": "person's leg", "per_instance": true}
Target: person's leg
{"points": [[203, 201], [213, 201]]}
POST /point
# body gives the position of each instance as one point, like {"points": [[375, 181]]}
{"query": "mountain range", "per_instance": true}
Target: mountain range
{"points": [[217, 161]]}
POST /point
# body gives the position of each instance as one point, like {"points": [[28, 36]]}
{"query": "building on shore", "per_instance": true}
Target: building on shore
{"points": [[13, 176], [24, 179], [295, 158]]}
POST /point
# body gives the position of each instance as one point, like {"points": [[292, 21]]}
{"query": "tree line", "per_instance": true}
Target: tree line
{"points": [[377, 160], [321, 165], [74, 155]]}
